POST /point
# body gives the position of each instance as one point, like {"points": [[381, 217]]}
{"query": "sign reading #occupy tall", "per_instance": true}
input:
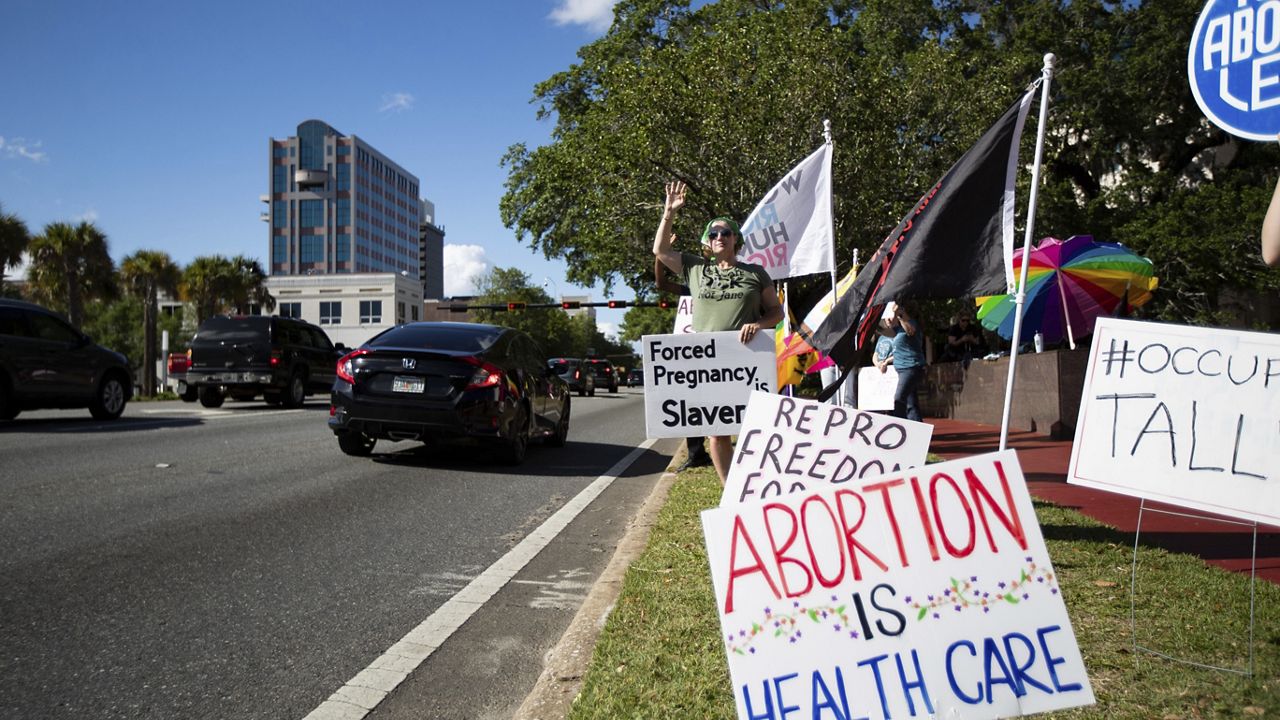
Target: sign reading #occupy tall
{"points": [[1182, 415], [698, 384], [1233, 66], [925, 593]]}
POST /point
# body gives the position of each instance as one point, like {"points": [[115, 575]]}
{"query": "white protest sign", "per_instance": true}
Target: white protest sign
{"points": [[1183, 415], [789, 445], [926, 593], [876, 389], [684, 316], [698, 384]]}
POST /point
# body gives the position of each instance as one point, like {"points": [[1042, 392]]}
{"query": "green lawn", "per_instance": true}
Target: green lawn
{"points": [[660, 656]]}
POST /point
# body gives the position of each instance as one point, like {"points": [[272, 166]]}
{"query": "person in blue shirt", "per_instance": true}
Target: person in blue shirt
{"points": [[908, 360]]}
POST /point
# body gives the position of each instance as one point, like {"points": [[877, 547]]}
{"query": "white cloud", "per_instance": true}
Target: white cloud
{"points": [[22, 148], [396, 102], [596, 15], [19, 271], [608, 329], [463, 264]]}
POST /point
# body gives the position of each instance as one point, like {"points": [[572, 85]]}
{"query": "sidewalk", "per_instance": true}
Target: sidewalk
{"points": [[1044, 462]]}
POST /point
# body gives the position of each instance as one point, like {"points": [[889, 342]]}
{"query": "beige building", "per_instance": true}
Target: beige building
{"points": [[349, 307]]}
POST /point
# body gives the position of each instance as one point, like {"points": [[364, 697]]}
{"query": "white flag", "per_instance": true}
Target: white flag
{"points": [[790, 231]]}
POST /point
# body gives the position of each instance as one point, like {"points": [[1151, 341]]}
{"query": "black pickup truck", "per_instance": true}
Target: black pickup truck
{"points": [[281, 359]]}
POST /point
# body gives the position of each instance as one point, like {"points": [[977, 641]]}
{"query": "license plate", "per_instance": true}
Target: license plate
{"points": [[408, 384]]}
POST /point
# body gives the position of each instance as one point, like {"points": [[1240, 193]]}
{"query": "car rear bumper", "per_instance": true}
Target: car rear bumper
{"points": [[393, 420], [230, 378]]}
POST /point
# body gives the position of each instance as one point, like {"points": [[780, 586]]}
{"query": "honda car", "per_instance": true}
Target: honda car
{"points": [[444, 381]]}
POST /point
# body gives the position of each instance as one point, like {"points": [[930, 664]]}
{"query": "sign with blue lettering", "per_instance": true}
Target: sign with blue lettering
{"points": [[1234, 66], [922, 593]]}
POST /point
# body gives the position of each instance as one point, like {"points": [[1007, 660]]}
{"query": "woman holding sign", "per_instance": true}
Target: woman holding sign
{"points": [[727, 294]]}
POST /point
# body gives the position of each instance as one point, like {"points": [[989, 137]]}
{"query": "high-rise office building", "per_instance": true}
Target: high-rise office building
{"points": [[337, 205], [431, 236]]}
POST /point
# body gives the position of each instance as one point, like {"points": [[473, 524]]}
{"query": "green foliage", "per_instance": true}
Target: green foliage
{"points": [[144, 274], [215, 284], [69, 266], [14, 238], [550, 327], [730, 95], [117, 324], [641, 321]]}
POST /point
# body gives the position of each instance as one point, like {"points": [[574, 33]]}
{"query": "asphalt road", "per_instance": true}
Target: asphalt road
{"points": [[233, 563]]}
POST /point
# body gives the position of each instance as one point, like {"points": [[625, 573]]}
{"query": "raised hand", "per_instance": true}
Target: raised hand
{"points": [[675, 196]]}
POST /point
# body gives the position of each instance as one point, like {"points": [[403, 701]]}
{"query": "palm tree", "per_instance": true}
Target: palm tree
{"points": [[145, 273], [204, 285], [14, 238], [248, 286], [69, 265]]}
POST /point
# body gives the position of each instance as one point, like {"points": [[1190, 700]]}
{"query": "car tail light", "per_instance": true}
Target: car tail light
{"points": [[485, 376], [275, 358], [344, 365], [577, 374]]}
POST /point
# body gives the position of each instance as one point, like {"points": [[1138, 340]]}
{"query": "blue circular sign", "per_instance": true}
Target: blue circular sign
{"points": [[1234, 66]]}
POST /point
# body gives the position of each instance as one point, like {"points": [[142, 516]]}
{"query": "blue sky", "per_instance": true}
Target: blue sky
{"points": [[152, 118]]}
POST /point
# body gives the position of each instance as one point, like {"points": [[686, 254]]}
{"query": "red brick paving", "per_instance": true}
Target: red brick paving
{"points": [[1044, 463]]}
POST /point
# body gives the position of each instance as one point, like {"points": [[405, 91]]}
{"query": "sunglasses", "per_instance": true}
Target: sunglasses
{"points": [[717, 234]]}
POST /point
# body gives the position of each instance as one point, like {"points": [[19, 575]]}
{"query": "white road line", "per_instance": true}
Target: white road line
{"points": [[370, 686]]}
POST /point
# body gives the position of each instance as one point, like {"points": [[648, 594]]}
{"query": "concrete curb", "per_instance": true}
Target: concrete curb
{"points": [[566, 663]]}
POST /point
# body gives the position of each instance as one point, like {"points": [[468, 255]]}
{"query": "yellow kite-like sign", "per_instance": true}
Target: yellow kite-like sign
{"points": [[1183, 415], [925, 593]]}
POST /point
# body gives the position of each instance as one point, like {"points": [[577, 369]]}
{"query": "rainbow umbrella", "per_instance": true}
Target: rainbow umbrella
{"points": [[1069, 283]]}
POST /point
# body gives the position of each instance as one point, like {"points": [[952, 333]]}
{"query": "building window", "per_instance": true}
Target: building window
{"points": [[279, 151], [343, 213], [279, 214], [312, 248], [342, 250], [330, 312], [277, 178], [290, 310], [311, 213], [279, 249], [370, 311], [413, 313], [344, 176], [399, 313]]}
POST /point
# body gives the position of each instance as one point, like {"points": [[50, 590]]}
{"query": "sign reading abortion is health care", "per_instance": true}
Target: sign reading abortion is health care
{"points": [[698, 384], [926, 593], [789, 445], [1234, 66], [1183, 415]]}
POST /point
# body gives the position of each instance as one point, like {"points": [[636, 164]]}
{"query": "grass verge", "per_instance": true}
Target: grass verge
{"points": [[659, 655]]}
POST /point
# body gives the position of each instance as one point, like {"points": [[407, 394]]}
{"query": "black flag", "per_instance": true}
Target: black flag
{"points": [[956, 242]]}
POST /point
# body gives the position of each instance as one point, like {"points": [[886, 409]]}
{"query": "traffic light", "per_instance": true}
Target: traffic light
{"points": [[616, 304], [666, 304], [571, 304], [515, 306]]}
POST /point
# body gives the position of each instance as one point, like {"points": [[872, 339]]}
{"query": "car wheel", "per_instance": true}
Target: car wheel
{"points": [[109, 403], [613, 388], [272, 398], [582, 392], [296, 393], [356, 443], [515, 448], [8, 403], [561, 435], [211, 397], [187, 393], [592, 391]]}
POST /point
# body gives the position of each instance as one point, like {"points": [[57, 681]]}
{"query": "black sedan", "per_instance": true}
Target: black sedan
{"points": [[430, 381]]}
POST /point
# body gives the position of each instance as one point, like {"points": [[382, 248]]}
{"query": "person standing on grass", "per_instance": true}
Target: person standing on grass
{"points": [[908, 360], [695, 447], [727, 294]]}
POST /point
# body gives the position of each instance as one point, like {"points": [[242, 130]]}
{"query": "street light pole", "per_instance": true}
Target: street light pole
{"points": [[547, 280]]}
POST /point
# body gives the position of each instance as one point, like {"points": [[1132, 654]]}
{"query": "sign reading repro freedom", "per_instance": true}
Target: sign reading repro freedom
{"points": [[789, 445], [1183, 415], [698, 384]]}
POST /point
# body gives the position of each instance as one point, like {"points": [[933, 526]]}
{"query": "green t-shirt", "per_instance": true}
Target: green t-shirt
{"points": [[723, 299]]}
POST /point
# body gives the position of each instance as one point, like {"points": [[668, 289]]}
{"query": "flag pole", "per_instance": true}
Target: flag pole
{"points": [[835, 289], [1019, 299]]}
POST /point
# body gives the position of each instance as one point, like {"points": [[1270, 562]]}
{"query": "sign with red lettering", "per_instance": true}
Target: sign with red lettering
{"points": [[791, 445], [922, 593], [684, 316], [698, 384], [1184, 415]]}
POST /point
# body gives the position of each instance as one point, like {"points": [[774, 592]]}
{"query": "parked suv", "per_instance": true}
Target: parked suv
{"points": [[46, 363], [606, 375], [579, 378], [281, 359]]}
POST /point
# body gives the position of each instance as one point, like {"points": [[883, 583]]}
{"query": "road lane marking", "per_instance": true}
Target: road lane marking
{"points": [[362, 693]]}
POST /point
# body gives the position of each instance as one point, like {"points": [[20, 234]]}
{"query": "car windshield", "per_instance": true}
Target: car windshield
{"points": [[559, 365], [243, 328], [438, 337]]}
